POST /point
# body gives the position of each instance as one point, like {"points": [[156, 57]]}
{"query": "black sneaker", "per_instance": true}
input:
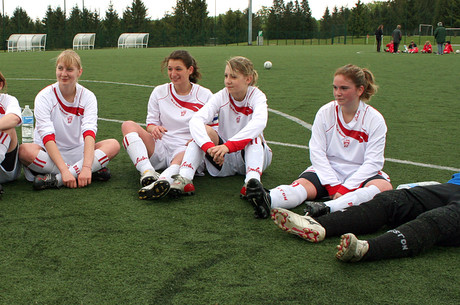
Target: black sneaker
{"points": [[155, 190], [42, 182], [102, 175], [259, 198], [315, 209]]}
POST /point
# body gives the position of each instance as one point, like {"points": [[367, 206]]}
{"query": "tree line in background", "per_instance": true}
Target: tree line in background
{"points": [[190, 23]]}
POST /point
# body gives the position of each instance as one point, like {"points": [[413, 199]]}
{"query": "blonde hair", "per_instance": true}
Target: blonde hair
{"points": [[244, 66], [360, 77], [69, 58], [3, 82]]}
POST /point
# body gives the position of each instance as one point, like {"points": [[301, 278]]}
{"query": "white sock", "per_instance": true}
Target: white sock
{"points": [[353, 198], [137, 151], [288, 196], [254, 159], [43, 164], [5, 141], [170, 171], [192, 159]]}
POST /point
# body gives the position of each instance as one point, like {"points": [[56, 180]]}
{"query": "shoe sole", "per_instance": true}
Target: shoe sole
{"points": [[159, 190], [282, 220], [176, 193], [347, 248], [258, 198], [148, 180]]}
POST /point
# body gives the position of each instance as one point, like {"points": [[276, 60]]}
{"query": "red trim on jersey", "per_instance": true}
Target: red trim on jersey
{"points": [[2, 110], [3, 137], [243, 110], [207, 146], [357, 135], [50, 137], [89, 133], [192, 106], [236, 145], [74, 110]]}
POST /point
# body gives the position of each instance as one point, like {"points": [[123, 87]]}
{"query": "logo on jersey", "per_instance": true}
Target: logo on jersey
{"points": [[69, 119], [346, 142], [183, 112], [238, 118]]}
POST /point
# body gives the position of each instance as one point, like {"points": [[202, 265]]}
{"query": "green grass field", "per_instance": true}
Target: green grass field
{"points": [[102, 245]]}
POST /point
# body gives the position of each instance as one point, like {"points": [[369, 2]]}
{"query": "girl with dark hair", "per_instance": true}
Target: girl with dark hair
{"points": [[162, 144]]}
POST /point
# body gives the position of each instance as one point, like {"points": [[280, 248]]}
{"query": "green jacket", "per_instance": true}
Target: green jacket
{"points": [[440, 34]]}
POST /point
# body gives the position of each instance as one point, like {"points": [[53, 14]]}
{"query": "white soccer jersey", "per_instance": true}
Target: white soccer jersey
{"points": [[239, 121], [347, 153], [65, 123], [168, 109], [9, 104]]}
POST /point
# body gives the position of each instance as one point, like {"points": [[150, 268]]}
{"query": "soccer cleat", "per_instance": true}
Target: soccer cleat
{"points": [[155, 190], [42, 182], [243, 192], [148, 177], [259, 198], [102, 175], [315, 209], [351, 249], [303, 226], [181, 186]]}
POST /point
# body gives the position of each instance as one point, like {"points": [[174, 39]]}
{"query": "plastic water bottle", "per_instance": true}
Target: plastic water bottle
{"points": [[27, 125], [410, 185]]}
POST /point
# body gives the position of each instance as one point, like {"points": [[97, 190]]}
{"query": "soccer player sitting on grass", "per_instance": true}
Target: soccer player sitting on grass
{"points": [[238, 146], [448, 48], [427, 47], [418, 218], [162, 144], [10, 117], [346, 151], [65, 151]]}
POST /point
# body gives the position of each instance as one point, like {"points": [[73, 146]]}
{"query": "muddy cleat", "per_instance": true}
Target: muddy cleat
{"points": [[155, 190], [303, 226], [316, 209], [42, 182], [351, 249], [259, 198], [181, 186], [148, 177], [102, 175]]}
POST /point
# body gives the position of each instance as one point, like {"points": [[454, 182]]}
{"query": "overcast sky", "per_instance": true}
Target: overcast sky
{"points": [[158, 8]]}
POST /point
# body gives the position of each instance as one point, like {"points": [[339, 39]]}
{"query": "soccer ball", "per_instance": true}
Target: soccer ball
{"points": [[457, 51], [268, 65]]}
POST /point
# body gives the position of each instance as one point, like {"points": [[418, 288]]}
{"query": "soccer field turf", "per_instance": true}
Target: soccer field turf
{"points": [[102, 245]]}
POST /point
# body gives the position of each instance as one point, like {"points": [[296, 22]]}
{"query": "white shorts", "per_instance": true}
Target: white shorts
{"points": [[164, 153], [73, 155], [234, 164]]}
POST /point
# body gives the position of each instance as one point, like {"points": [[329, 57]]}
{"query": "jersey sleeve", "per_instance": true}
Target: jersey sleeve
{"points": [[42, 111], [153, 109], [205, 116], [13, 108], [318, 147], [89, 120], [373, 157]]}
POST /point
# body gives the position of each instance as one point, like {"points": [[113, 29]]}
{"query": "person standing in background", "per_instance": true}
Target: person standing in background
{"points": [[379, 36], [440, 37], [397, 36]]}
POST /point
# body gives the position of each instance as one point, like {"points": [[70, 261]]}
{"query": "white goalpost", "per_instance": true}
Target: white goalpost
{"points": [[425, 30], [452, 34]]}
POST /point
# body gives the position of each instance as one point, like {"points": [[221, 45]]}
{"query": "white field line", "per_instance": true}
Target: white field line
{"points": [[287, 116]]}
